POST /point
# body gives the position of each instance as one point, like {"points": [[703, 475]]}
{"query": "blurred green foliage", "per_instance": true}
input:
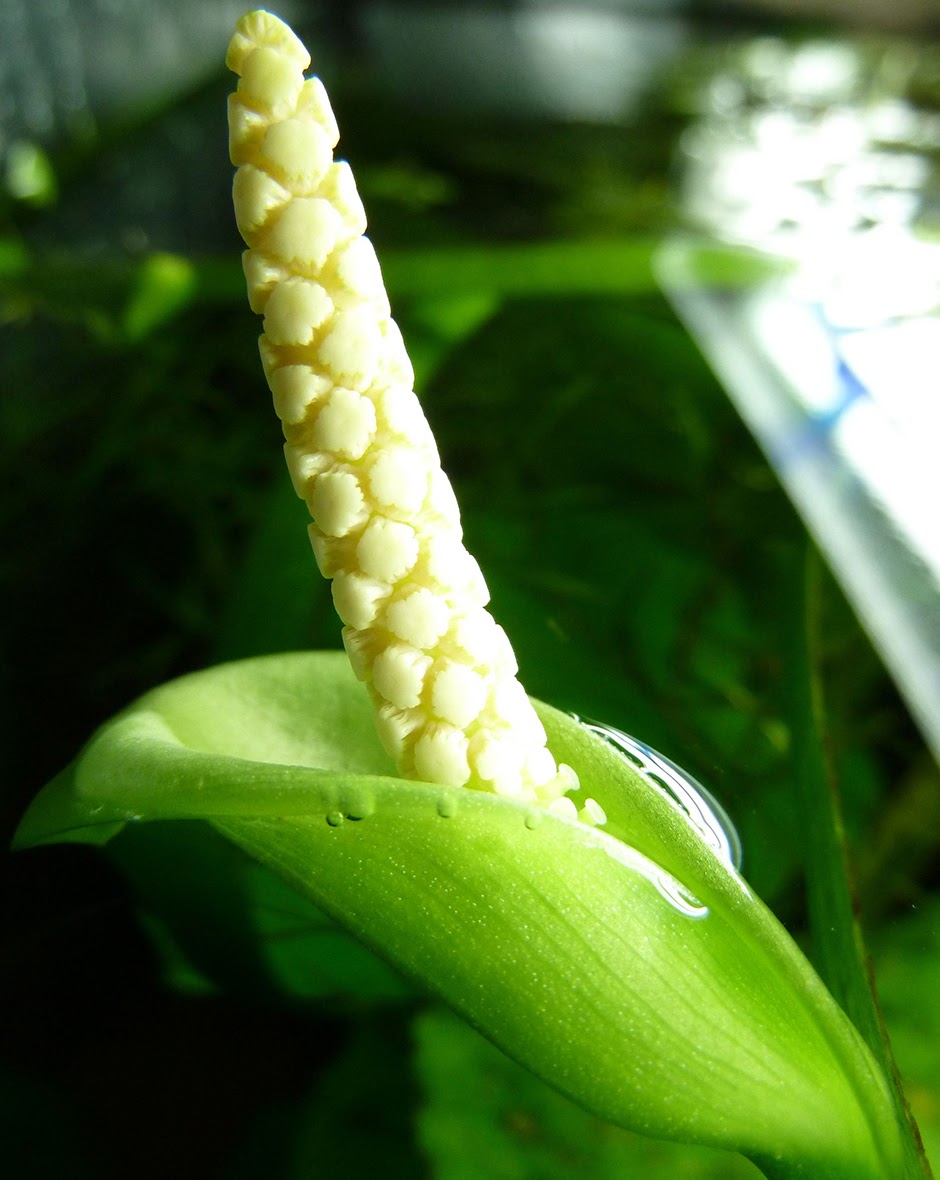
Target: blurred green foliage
{"points": [[640, 555]]}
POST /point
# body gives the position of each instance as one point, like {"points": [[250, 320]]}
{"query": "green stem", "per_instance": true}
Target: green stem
{"points": [[840, 954]]}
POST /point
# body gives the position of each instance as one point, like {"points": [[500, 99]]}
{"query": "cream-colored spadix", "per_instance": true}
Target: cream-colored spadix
{"points": [[386, 527]]}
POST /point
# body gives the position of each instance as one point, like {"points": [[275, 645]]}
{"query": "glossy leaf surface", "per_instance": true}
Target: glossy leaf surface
{"points": [[629, 967]]}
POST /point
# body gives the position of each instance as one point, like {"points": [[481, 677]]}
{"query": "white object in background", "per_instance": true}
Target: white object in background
{"points": [[848, 417]]}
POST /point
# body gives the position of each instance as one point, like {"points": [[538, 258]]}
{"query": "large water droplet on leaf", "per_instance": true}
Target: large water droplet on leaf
{"points": [[695, 802]]}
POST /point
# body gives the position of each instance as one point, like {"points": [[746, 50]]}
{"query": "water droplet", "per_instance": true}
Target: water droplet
{"points": [[669, 888], [447, 806], [686, 794], [334, 819], [679, 897], [360, 806], [533, 818]]}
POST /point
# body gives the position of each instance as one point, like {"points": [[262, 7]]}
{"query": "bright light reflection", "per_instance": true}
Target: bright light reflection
{"points": [[795, 158], [798, 349], [816, 154], [591, 64], [897, 363], [879, 411]]}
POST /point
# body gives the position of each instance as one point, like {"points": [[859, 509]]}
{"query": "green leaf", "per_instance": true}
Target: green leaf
{"points": [[163, 285], [838, 941], [543, 268], [907, 957], [629, 967], [222, 920], [483, 1115]]}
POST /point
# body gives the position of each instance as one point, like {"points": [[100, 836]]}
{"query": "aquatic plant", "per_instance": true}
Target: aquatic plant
{"points": [[529, 869]]}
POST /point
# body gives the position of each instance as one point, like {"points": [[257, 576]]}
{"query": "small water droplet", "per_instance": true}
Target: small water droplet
{"points": [[679, 897], [360, 806], [533, 818], [686, 794], [334, 818], [447, 806]]}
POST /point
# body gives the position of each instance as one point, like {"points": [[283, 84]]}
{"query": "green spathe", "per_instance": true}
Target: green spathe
{"points": [[628, 967]]}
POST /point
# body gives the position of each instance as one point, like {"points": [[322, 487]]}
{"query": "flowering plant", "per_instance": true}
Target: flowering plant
{"points": [[497, 852]]}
